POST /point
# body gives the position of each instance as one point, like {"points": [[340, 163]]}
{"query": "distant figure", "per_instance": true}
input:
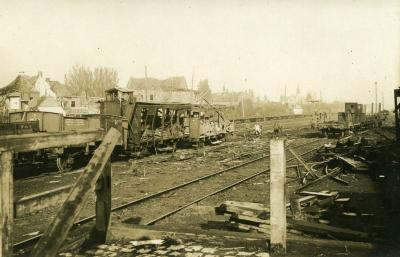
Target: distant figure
{"points": [[277, 128], [257, 130]]}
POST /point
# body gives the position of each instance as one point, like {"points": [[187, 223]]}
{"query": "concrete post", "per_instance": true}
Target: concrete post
{"points": [[277, 196]]}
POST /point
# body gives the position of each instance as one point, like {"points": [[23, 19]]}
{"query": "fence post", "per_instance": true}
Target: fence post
{"points": [[103, 204], [6, 204], [277, 196]]}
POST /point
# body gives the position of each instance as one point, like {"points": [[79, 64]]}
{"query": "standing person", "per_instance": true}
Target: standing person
{"points": [[257, 130]]}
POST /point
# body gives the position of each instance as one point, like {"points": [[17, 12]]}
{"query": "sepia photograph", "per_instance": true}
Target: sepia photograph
{"points": [[200, 128]]}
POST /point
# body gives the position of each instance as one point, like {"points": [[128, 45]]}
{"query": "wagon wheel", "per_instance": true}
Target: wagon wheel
{"points": [[64, 163]]}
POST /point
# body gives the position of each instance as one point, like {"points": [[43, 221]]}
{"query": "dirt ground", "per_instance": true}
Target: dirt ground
{"points": [[133, 179]]}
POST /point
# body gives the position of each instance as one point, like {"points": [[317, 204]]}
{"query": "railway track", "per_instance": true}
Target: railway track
{"points": [[141, 204]]}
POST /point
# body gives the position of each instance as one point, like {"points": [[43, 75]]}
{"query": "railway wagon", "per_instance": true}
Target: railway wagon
{"points": [[353, 118], [38, 121]]}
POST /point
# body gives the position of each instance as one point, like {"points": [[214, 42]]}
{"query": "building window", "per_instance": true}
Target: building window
{"points": [[72, 103], [151, 97]]}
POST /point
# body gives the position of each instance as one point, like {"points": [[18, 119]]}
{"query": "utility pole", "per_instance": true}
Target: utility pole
{"points": [[242, 105], [145, 82], [192, 76], [376, 97]]}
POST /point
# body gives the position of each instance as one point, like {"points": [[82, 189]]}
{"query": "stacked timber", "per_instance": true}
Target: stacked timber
{"points": [[245, 216], [309, 213]]}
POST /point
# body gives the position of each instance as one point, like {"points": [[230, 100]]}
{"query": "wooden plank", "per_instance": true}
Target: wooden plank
{"points": [[333, 173], [103, 204], [56, 233], [323, 194], [221, 210], [246, 227], [246, 205], [6, 204], [326, 229], [309, 170], [339, 180], [295, 207], [238, 218], [36, 141]]}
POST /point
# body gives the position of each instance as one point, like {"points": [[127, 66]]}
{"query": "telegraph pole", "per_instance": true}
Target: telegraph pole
{"points": [[376, 97], [145, 81], [192, 76], [242, 106]]}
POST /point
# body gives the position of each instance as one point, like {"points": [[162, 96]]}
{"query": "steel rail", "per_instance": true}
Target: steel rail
{"points": [[152, 222]]}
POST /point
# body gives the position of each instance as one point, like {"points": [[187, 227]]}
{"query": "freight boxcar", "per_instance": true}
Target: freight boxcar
{"points": [[37, 121]]}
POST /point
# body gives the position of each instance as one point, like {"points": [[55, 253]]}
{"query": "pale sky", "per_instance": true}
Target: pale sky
{"points": [[338, 47]]}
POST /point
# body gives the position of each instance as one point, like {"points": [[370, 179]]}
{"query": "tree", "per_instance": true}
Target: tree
{"points": [[205, 90], [82, 81], [104, 78]]}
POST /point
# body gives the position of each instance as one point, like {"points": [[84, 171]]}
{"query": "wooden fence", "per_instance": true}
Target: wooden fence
{"points": [[96, 176]]}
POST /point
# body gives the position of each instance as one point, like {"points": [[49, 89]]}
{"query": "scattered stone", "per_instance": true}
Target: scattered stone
{"points": [[90, 252], [175, 254], [211, 255], [147, 242], [112, 254], [262, 254], [113, 248], [176, 247], [66, 254], [245, 253], [195, 248], [230, 253], [161, 251], [144, 250], [102, 247], [99, 252], [209, 250], [193, 254], [127, 250]]}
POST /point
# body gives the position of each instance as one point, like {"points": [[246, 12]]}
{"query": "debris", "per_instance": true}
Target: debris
{"points": [[333, 173], [354, 164], [324, 229], [32, 233], [322, 193], [147, 242], [309, 170]]}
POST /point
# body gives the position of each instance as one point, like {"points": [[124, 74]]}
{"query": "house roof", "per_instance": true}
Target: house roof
{"points": [[48, 102], [20, 83], [25, 83], [172, 83], [58, 88]]}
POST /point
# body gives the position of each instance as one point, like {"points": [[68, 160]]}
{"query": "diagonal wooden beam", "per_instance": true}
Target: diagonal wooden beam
{"points": [[57, 231], [309, 170]]}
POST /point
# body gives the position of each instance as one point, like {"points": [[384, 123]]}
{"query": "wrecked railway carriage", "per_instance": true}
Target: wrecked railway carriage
{"points": [[144, 126]]}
